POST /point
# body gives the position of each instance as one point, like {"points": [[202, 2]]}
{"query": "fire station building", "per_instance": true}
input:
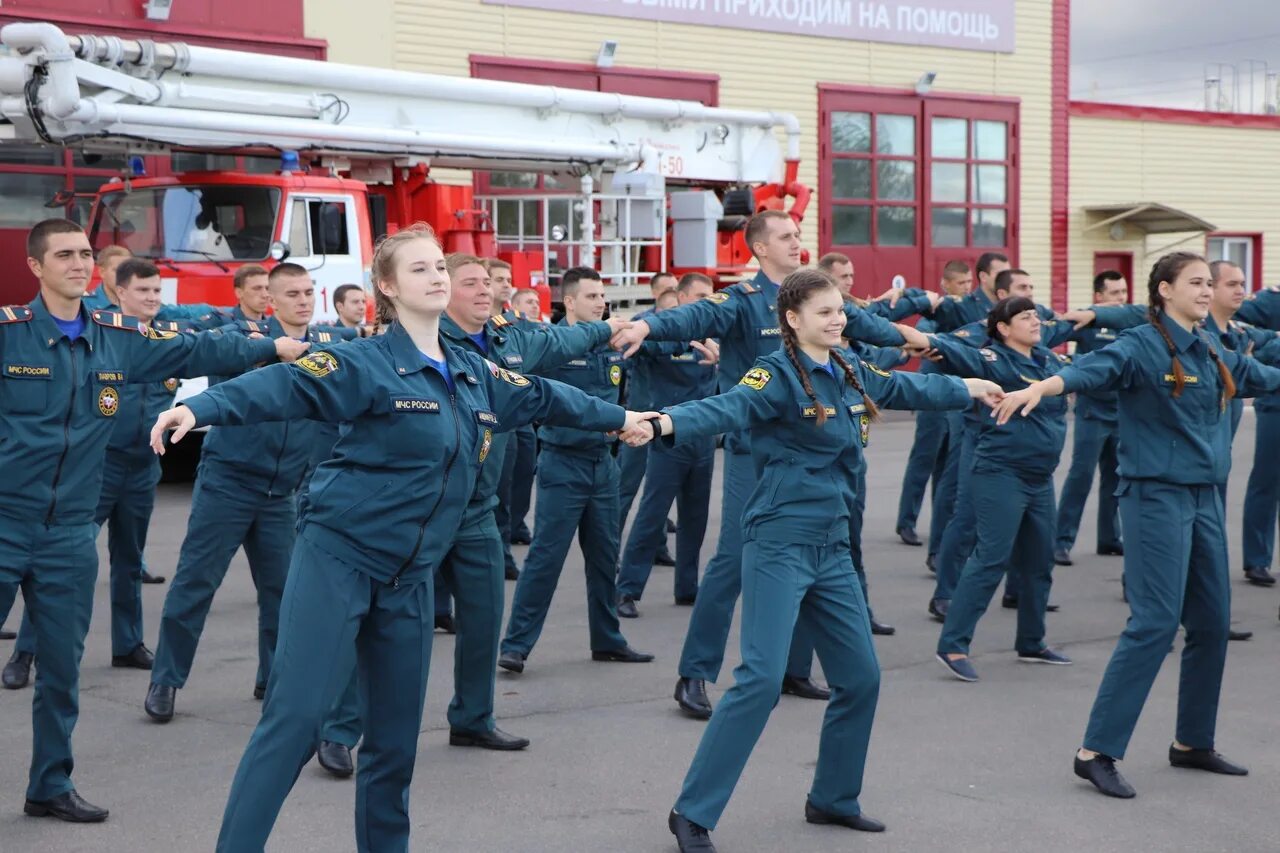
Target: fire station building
{"points": [[932, 129]]}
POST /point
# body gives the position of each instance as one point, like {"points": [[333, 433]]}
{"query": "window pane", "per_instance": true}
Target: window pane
{"points": [[989, 184], [990, 140], [896, 135], [949, 137], [261, 165], [189, 161], [948, 182], [897, 180], [299, 231], [851, 179], [896, 226], [86, 189], [850, 225], [514, 180], [851, 132], [988, 227], [25, 196], [948, 226], [114, 162], [31, 155]]}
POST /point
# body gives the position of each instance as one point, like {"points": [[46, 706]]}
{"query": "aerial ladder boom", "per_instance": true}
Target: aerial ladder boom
{"points": [[107, 93]]}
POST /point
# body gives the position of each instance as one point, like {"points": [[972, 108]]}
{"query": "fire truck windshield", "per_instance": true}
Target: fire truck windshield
{"points": [[189, 223]]}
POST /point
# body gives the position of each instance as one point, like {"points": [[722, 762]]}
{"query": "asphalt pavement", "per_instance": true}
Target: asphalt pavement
{"points": [[953, 766]]}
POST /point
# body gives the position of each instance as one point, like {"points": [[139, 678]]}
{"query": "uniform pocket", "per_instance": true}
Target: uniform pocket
{"points": [[26, 388]]}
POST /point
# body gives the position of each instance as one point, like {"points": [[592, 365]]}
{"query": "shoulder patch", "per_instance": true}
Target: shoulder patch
{"points": [[756, 378], [989, 355], [747, 287], [961, 333], [876, 370], [499, 321], [318, 363], [14, 314], [156, 334], [506, 375], [719, 297], [1065, 359]]}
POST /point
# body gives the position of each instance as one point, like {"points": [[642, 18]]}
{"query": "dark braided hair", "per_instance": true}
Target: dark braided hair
{"points": [[797, 289], [1167, 269]]}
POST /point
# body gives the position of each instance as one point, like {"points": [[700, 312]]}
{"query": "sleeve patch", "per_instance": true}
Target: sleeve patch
{"points": [[505, 375], [876, 370], [157, 334], [719, 297], [989, 355], [756, 378], [318, 363]]}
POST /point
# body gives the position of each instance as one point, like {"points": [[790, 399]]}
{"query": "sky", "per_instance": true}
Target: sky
{"points": [[1160, 52]]}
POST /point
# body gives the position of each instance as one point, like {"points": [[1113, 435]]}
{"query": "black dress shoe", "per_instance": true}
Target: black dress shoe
{"points": [[880, 629], [159, 703], [686, 602], [1062, 557], [512, 662], [496, 739], [1101, 771], [1204, 759], [139, 658], [259, 691], [1009, 602], [520, 538], [1259, 576], [689, 836], [626, 654], [627, 607], [671, 526], [336, 758], [691, 696], [938, 608], [7, 635], [664, 558], [147, 577], [444, 622], [511, 573], [805, 688], [1116, 550], [17, 672], [909, 536], [862, 823], [931, 563], [70, 807], [1233, 634]]}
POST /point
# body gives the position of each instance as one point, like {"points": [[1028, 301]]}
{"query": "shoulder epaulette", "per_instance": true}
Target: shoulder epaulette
{"points": [[14, 314], [117, 320], [748, 287], [255, 326], [322, 337], [499, 321], [166, 325]]}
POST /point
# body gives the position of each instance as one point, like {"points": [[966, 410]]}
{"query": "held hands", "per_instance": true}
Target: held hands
{"points": [[985, 391], [1023, 402], [287, 349], [180, 419], [638, 430], [710, 351], [892, 295], [617, 324], [628, 340], [914, 340]]}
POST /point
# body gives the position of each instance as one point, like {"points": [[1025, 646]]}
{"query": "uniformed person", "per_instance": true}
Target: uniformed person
{"points": [[129, 482], [104, 295], [808, 411], [744, 318], [380, 515], [61, 369], [577, 492], [1012, 487], [472, 569], [1175, 384], [677, 373], [928, 457], [1094, 441], [245, 495], [349, 302], [522, 455]]}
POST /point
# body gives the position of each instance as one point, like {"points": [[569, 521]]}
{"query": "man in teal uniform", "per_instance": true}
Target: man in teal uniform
{"points": [[1094, 441], [744, 317], [61, 368], [244, 495], [577, 492]]}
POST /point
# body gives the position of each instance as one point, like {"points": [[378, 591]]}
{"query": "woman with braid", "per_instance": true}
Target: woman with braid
{"points": [[808, 410], [1175, 384]]}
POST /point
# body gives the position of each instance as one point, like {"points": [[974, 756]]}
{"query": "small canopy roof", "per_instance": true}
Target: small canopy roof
{"points": [[1150, 216]]}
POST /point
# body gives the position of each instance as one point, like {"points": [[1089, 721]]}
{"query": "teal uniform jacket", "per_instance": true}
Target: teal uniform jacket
{"points": [[598, 373], [140, 405], [805, 476], [375, 504], [1262, 309], [60, 402], [636, 392], [1187, 440], [912, 301], [953, 312], [676, 373], [1096, 405], [526, 347], [1031, 445]]}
